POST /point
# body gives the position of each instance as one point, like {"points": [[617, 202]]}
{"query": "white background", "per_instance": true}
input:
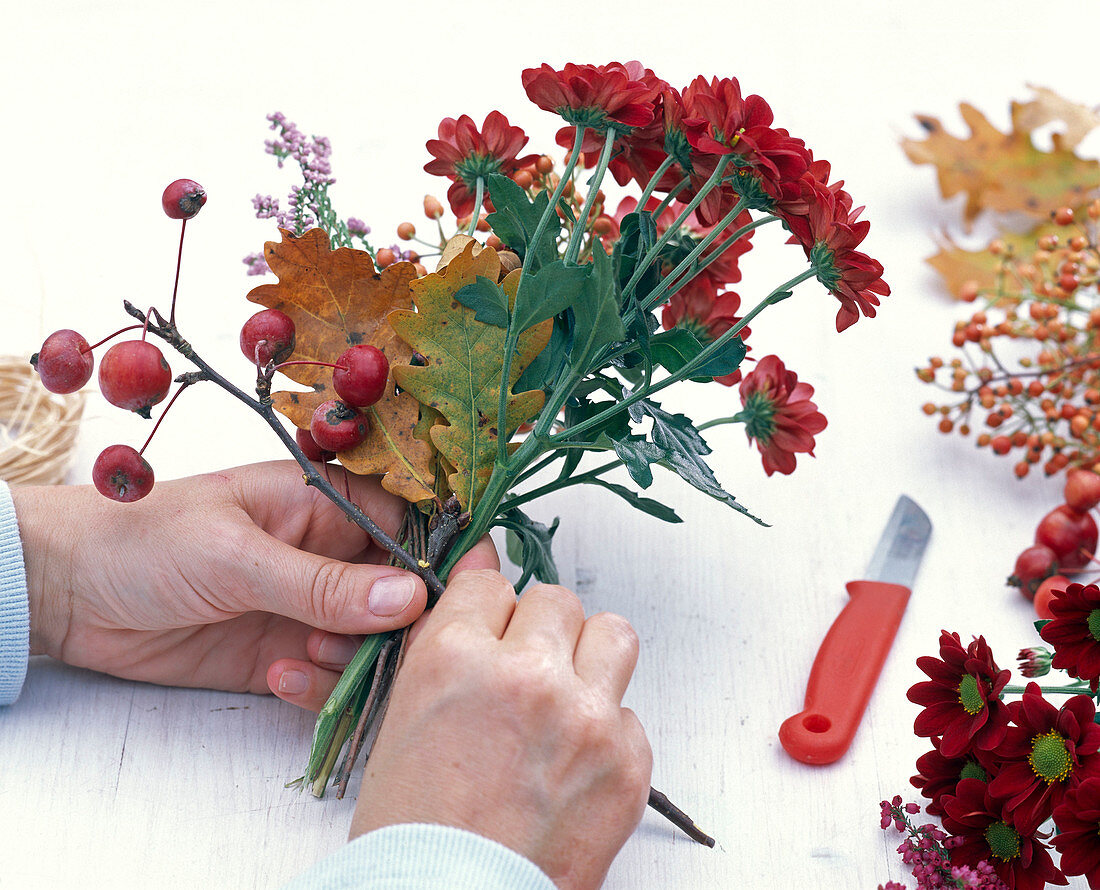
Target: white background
{"points": [[109, 783]]}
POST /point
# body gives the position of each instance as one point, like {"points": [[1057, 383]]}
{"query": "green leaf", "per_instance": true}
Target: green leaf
{"points": [[534, 540], [637, 455], [1041, 623], [543, 372], [552, 290], [685, 450], [487, 299], [646, 505], [596, 313], [516, 218], [674, 349], [637, 234]]}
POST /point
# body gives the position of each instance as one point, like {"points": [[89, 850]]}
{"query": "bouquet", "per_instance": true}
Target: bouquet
{"points": [[547, 334]]}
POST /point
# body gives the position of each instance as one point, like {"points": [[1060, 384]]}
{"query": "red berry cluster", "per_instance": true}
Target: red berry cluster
{"points": [[1065, 542], [133, 374]]}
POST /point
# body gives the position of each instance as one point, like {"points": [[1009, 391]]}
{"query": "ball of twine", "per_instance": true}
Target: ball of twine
{"points": [[38, 428]]}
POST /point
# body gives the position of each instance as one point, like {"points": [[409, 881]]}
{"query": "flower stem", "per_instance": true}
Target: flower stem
{"points": [[1070, 689], [689, 208], [512, 335], [669, 282], [654, 180], [572, 251], [479, 198]]}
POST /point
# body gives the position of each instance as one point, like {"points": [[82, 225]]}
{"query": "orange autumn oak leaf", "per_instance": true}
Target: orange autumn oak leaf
{"points": [[462, 377], [337, 299], [999, 171]]}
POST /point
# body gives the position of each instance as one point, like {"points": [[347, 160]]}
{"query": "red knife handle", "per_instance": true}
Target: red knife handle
{"points": [[844, 672]]}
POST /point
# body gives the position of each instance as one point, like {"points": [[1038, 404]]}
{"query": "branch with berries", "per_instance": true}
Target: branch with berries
{"points": [[473, 390]]}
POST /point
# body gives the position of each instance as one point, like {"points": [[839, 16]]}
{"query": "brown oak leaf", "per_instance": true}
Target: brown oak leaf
{"points": [[337, 299]]}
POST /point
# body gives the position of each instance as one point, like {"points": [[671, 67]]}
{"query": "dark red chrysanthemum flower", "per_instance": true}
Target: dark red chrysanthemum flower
{"points": [[961, 700], [938, 776], [1078, 838], [986, 833], [463, 154], [1048, 750], [596, 97], [707, 314], [640, 153], [829, 232], [1075, 632], [778, 414]]}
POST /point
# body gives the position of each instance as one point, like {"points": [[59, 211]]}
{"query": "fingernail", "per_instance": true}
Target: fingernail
{"points": [[293, 682], [391, 594], [336, 651]]}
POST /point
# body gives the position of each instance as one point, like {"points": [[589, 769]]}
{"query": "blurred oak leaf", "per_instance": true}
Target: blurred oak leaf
{"points": [[1003, 172], [964, 271], [337, 299], [1048, 107], [462, 377]]}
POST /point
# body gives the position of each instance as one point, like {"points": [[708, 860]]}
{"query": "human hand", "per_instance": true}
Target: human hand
{"points": [[506, 719], [209, 579]]}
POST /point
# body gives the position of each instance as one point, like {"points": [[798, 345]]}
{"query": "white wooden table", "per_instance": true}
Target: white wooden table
{"points": [[107, 783]]}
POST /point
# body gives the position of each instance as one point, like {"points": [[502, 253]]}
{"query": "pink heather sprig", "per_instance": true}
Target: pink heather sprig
{"points": [[926, 851], [308, 204]]}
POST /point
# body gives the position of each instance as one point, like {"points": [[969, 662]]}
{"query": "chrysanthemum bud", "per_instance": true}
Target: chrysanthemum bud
{"points": [[432, 208], [1035, 661]]}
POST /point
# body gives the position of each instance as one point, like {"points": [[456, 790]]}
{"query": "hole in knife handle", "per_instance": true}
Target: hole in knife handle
{"points": [[817, 723]]}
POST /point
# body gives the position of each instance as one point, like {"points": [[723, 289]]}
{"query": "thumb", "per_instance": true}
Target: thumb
{"points": [[337, 596]]}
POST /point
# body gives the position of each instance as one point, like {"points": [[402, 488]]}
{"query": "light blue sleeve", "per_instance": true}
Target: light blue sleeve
{"points": [[14, 611], [423, 857]]}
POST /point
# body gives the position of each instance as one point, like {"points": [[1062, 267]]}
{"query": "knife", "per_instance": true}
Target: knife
{"points": [[855, 648]]}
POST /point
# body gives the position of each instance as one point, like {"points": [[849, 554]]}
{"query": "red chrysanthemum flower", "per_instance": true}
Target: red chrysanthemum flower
{"points": [[720, 122], [1075, 632], [778, 414], [1047, 751], [986, 833], [829, 233], [463, 154], [707, 314], [596, 97], [938, 776], [1078, 838], [961, 700]]}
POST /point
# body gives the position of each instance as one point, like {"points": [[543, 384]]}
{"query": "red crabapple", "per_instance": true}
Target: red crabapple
{"points": [[183, 199], [310, 448], [134, 375], [121, 474], [268, 336], [360, 375], [64, 362], [337, 426]]}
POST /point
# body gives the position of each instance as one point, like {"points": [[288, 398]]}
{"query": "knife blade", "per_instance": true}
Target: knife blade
{"points": [[854, 650]]}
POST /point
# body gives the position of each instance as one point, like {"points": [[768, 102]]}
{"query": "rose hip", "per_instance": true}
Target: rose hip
{"points": [[336, 426], [121, 474], [1082, 489], [1070, 534], [134, 375], [360, 375], [1032, 566], [64, 363], [268, 336]]}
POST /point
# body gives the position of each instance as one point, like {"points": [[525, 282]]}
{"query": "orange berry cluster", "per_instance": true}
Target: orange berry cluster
{"points": [[1028, 373]]}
